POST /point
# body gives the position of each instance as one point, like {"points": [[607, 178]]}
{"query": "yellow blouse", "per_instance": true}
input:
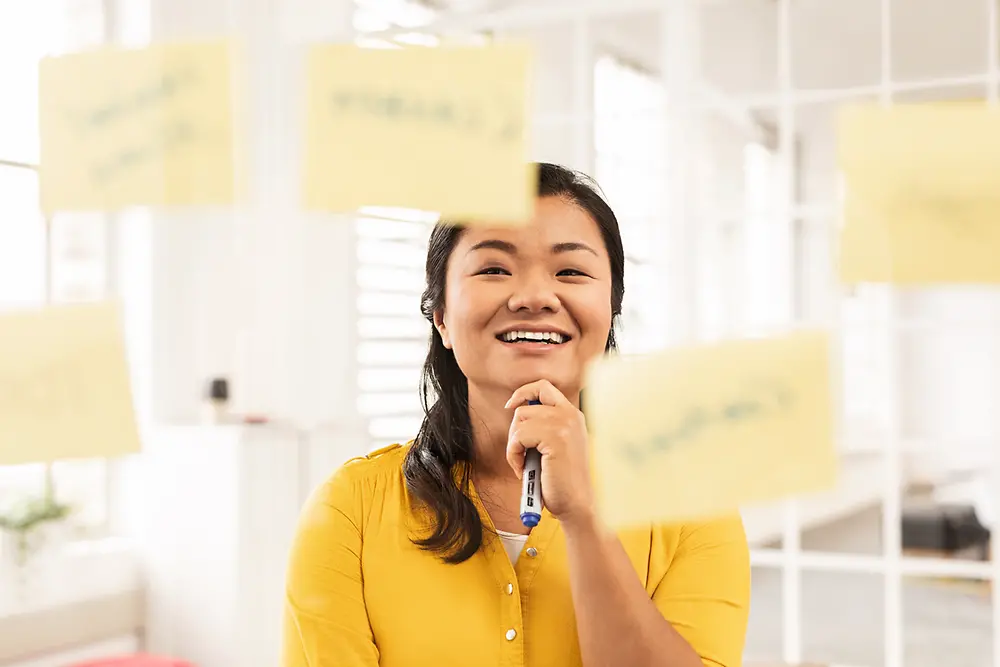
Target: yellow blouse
{"points": [[360, 594]]}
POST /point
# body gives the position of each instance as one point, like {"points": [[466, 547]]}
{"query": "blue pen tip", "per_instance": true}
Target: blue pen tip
{"points": [[530, 519]]}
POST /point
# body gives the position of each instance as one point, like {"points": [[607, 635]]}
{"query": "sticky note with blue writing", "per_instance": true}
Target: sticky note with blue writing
{"points": [[65, 389], [137, 127], [696, 432], [922, 193], [440, 129]]}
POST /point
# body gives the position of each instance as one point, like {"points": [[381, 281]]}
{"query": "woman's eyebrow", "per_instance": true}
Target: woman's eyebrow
{"points": [[511, 249], [573, 246], [495, 244]]}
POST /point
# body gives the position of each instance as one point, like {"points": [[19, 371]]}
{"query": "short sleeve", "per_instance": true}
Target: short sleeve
{"points": [[326, 622], [705, 592]]}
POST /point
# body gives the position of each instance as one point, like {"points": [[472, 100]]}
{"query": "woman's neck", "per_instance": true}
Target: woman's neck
{"points": [[490, 428]]}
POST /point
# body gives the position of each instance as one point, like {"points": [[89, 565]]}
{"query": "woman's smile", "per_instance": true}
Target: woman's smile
{"points": [[534, 339]]}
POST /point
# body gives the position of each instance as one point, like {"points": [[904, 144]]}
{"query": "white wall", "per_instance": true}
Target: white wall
{"points": [[225, 501], [235, 290], [951, 378], [557, 93]]}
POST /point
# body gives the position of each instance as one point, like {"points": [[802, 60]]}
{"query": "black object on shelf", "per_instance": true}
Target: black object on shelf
{"points": [[944, 528], [218, 390]]}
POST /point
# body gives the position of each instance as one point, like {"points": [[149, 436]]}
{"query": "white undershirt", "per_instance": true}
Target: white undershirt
{"points": [[513, 543]]}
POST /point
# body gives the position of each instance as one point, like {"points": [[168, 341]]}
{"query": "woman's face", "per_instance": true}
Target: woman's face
{"points": [[530, 303]]}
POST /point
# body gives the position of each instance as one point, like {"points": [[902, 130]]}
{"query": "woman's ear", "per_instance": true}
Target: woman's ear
{"points": [[442, 328]]}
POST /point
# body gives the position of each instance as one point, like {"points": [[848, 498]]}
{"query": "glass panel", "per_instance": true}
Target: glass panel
{"points": [[629, 165], [22, 240], [843, 618], [765, 631]]}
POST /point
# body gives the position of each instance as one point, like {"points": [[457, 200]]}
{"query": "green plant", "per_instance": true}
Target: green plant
{"points": [[26, 517]]}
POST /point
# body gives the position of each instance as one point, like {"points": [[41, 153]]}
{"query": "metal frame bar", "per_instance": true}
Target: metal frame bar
{"points": [[805, 96], [791, 529], [909, 566], [892, 542], [583, 94], [992, 92], [677, 275], [537, 14], [18, 165]]}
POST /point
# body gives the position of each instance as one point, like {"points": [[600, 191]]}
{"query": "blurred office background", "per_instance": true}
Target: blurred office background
{"points": [[709, 125]]}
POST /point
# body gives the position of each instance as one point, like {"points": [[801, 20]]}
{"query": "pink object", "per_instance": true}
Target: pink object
{"points": [[135, 661]]}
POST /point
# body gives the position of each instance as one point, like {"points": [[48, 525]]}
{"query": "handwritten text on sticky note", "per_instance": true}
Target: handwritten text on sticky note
{"points": [[922, 194], [697, 432], [64, 385], [123, 127], [440, 129]]}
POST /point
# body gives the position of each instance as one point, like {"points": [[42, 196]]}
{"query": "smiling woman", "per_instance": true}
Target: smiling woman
{"points": [[563, 273], [411, 555]]}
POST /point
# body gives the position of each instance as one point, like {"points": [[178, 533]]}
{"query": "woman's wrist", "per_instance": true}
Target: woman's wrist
{"points": [[583, 523]]}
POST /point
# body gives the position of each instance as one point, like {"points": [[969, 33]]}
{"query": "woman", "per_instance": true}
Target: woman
{"points": [[416, 556]]}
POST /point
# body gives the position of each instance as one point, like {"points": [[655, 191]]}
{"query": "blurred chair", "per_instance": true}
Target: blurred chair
{"points": [[135, 661]]}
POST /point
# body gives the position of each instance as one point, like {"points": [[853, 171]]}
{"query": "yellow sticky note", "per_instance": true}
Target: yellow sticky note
{"points": [[697, 432], [128, 127], [65, 390], [922, 194], [440, 129]]}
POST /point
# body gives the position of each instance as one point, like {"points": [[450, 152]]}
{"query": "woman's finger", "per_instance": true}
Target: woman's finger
{"points": [[522, 437], [524, 412], [541, 390], [515, 455]]}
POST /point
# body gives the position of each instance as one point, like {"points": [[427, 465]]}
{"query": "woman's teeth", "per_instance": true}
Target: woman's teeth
{"points": [[533, 337]]}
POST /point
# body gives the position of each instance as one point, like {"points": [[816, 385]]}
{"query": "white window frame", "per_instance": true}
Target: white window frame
{"points": [[67, 253], [629, 123]]}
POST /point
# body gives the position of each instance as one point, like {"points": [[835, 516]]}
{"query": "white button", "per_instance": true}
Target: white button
{"points": [[511, 634], [510, 589], [532, 552]]}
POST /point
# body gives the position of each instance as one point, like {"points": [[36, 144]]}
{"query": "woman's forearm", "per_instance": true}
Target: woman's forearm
{"points": [[616, 621]]}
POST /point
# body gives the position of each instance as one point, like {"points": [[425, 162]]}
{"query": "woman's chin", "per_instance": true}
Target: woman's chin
{"points": [[522, 376]]}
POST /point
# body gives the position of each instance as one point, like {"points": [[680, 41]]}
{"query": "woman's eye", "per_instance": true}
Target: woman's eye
{"points": [[494, 271]]}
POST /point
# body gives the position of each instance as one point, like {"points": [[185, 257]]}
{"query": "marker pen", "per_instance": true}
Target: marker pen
{"points": [[531, 485]]}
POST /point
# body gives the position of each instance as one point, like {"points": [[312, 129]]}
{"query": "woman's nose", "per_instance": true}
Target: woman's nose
{"points": [[533, 295]]}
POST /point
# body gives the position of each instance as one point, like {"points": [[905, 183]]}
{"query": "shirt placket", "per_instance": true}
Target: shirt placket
{"points": [[515, 582]]}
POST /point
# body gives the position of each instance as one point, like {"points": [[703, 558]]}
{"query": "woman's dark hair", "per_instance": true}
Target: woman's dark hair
{"points": [[444, 441]]}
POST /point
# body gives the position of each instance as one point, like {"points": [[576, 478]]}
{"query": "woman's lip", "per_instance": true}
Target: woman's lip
{"points": [[533, 347], [535, 329], [565, 337]]}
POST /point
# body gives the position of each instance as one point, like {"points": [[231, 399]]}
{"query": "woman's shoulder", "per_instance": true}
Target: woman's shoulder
{"points": [[723, 531], [376, 462], [713, 547], [361, 478]]}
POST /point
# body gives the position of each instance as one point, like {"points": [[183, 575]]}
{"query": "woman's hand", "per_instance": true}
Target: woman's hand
{"points": [[558, 430]]}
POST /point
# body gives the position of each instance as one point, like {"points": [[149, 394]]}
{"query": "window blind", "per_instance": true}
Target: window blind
{"points": [[392, 334], [392, 249]]}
